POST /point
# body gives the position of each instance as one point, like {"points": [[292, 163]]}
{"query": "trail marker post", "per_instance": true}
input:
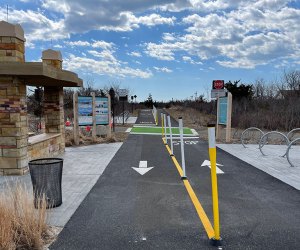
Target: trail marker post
{"points": [[94, 115], [183, 177], [75, 122], [216, 241], [162, 125], [170, 133], [165, 125]]}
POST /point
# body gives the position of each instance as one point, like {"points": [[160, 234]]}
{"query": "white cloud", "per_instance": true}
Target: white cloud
{"points": [[36, 25], [244, 37], [163, 69], [168, 37], [58, 46], [152, 20], [58, 6], [135, 54], [190, 60], [78, 43], [102, 44], [103, 67]]}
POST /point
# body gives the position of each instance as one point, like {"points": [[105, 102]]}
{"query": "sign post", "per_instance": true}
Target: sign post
{"points": [[94, 115], [75, 122], [123, 96]]}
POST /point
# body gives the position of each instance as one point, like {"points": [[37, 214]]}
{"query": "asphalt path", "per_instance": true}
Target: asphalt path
{"points": [[257, 211], [126, 210]]}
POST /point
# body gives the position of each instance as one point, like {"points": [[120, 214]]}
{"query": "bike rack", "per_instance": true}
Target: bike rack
{"points": [[291, 132], [251, 128], [288, 151], [263, 140]]}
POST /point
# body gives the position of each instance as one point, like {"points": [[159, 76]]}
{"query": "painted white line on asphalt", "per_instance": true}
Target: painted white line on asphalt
{"points": [[142, 169], [128, 130], [187, 142], [176, 137], [207, 164]]}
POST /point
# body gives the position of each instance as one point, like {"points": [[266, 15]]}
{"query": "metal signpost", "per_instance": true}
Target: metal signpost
{"points": [[123, 96]]}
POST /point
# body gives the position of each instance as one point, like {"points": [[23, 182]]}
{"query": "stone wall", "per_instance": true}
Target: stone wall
{"points": [[54, 112], [13, 126], [45, 146], [11, 49]]}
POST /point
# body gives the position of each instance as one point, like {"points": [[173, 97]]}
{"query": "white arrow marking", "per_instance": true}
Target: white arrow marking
{"points": [[142, 169], [207, 163]]}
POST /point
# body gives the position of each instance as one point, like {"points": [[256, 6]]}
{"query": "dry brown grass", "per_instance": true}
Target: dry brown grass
{"points": [[22, 226], [87, 139]]}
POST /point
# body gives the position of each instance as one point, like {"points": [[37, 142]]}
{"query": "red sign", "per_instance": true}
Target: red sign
{"points": [[218, 84]]}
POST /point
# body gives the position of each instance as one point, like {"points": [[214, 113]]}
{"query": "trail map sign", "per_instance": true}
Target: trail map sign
{"points": [[101, 109], [85, 110]]}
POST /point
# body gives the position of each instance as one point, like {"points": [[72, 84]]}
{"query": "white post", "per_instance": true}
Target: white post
{"points": [[165, 125], [183, 177], [228, 120], [109, 116], [75, 122], [170, 133], [94, 115]]}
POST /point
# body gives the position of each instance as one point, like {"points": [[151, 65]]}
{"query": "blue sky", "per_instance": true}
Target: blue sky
{"points": [[171, 49]]}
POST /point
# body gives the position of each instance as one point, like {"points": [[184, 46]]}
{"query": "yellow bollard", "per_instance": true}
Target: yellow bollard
{"points": [[216, 241], [156, 122]]}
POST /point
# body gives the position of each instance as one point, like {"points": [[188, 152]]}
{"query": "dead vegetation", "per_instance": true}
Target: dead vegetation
{"points": [[87, 139], [22, 225]]}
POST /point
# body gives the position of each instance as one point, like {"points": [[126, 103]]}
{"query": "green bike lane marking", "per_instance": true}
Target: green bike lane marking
{"points": [[157, 130]]}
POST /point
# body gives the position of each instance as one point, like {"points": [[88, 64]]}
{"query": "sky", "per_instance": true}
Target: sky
{"points": [[171, 49]]}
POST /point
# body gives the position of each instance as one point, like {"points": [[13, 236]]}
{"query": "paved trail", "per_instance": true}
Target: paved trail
{"points": [[126, 210]]}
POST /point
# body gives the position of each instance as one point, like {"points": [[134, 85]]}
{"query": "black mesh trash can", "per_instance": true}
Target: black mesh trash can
{"points": [[46, 177]]}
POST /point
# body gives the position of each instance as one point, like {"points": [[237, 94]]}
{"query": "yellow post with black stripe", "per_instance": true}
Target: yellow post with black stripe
{"points": [[216, 241]]}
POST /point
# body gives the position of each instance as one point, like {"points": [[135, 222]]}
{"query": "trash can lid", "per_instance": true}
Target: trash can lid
{"points": [[47, 161]]}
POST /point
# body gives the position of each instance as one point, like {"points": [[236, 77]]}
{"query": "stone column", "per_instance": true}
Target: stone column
{"points": [[54, 100], [13, 107]]}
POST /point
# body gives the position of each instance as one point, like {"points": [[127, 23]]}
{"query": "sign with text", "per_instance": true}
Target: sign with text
{"points": [[101, 109], [215, 93], [223, 102], [218, 84], [123, 95], [85, 110]]}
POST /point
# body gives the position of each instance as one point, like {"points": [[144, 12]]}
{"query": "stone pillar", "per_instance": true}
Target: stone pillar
{"points": [[11, 43], [13, 107], [54, 100]]}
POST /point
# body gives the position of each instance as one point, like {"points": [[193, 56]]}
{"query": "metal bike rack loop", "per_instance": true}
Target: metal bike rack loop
{"points": [[262, 141], [251, 128], [288, 151]]}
